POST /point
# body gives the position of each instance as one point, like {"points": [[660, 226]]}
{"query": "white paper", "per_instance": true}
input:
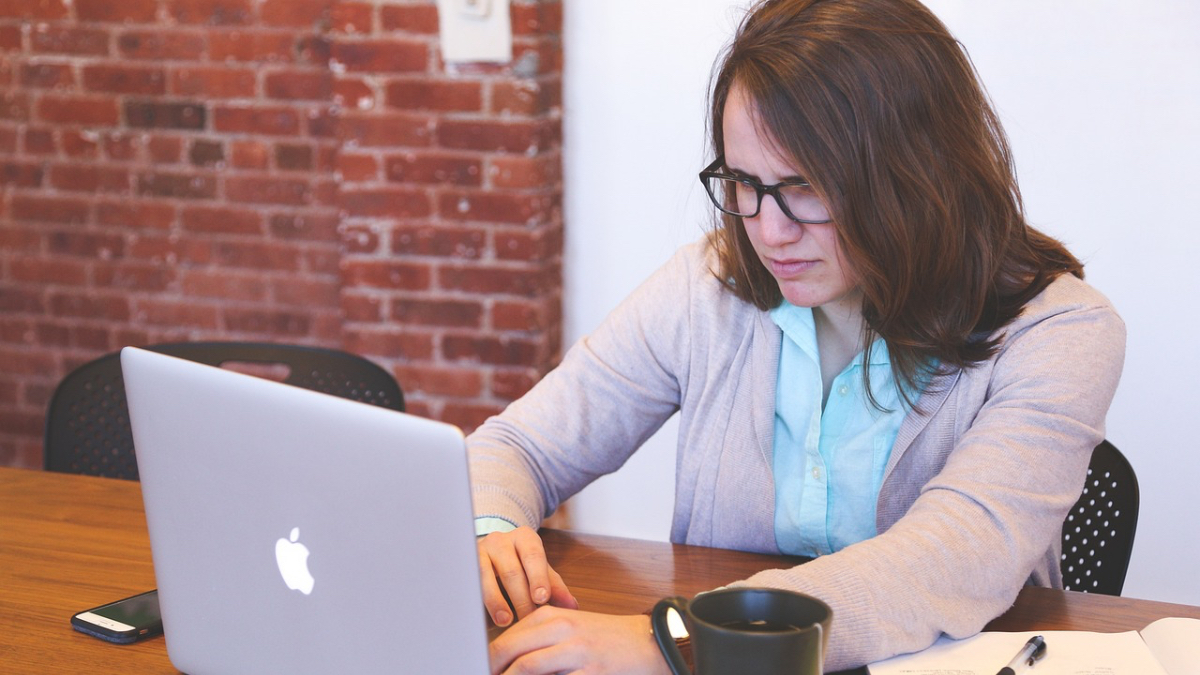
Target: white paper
{"points": [[1176, 643], [1067, 653]]}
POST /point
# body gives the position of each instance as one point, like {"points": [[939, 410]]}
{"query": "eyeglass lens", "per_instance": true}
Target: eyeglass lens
{"points": [[741, 199]]}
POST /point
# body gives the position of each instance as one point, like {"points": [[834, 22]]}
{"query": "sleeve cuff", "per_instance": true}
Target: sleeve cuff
{"points": [[489, 524]]}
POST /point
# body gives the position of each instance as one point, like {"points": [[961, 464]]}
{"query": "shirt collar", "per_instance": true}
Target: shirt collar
{"points": [[798, 325]]}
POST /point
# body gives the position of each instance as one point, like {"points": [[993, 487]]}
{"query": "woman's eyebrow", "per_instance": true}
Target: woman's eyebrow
{"points": [[738, 172], [745, 174]]}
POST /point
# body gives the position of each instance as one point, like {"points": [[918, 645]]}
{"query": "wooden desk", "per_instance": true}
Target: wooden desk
{"points": [[72, 542]]}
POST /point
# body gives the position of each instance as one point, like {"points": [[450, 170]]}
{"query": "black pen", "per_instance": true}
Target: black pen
{"points": [[1031, 653]]}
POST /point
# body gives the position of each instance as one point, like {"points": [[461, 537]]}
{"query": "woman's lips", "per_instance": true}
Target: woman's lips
{"points": [[786, 269]]}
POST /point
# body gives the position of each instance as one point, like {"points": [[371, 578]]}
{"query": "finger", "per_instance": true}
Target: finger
{"points": [[493, 598], [533, 559], [560, 595], [507, 567], [548, 661], [539, 631]]}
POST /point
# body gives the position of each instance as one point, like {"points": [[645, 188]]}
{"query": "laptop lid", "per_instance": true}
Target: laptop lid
{"points": [[293, 531]]}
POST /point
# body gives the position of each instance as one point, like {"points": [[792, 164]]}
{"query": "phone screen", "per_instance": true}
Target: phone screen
{"points": [[140, 610]]}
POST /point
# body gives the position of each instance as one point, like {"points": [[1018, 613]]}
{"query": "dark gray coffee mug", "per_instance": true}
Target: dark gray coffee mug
{"points": [[747, 631]]}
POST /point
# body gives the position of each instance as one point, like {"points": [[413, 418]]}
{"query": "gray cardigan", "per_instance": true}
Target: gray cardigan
{"points": [[974, 493]]}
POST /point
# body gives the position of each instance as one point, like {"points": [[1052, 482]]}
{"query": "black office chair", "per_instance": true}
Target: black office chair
{"points": [[1097, 536], [87, 422]]}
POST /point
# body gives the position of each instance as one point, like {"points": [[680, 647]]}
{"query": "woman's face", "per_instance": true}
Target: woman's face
{"points": [[805, 259]]}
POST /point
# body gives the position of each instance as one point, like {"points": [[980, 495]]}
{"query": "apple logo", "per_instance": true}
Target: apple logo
{"points": [[292, 558]]}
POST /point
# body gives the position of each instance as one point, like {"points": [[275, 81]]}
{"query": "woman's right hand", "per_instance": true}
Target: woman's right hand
{"points": [[516, 562]]}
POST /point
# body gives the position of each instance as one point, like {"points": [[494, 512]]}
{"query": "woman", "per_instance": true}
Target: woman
{"points": [[876, 360]]}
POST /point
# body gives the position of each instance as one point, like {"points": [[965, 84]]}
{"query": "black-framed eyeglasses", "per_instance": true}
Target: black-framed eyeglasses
{"points": [[740, 196]]}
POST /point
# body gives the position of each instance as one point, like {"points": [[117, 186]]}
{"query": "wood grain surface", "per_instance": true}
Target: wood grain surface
{"points": [[69, 543]]}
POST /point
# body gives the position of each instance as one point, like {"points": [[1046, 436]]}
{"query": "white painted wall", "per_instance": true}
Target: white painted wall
{"points": [[1101, 100]]}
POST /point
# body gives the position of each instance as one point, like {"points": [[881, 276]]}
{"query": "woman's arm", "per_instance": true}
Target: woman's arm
{"points": [[612, 391], [989, 519]]}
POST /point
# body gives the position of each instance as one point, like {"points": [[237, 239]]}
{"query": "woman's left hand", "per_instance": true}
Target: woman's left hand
{"points": [[555, 640]]}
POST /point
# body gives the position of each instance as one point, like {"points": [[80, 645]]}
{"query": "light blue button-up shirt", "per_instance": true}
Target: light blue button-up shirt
{"points": [[829, 463]]}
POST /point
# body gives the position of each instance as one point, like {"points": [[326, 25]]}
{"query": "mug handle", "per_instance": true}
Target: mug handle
{"points": [[662, 634]]}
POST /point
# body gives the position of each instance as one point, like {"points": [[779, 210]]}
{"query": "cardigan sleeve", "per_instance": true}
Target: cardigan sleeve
{"points": [[612, 391], [989, 518]]}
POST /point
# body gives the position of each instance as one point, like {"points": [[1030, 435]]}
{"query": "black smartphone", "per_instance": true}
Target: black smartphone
{"points": [[123, 621]]}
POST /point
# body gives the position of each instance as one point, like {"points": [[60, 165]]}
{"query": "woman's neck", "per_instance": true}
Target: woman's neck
{"points": [[839, 327]]}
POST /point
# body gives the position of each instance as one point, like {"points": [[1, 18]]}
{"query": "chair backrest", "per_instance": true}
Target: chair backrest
{"points": [[87, 421], [1097, 536]]}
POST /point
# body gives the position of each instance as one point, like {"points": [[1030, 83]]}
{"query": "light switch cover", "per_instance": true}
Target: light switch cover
{"points": [[475, 30]]}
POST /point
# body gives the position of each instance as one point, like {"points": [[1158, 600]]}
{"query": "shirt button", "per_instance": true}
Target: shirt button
{"points": [[816, 473], [843, 390]]}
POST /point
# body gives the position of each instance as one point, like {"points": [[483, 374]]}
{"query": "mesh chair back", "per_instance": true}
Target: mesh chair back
{"points": [[87, 422], [1097, 536]]}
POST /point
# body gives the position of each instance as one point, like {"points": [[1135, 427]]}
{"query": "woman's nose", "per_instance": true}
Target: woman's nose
{"points": [[775, 227]]}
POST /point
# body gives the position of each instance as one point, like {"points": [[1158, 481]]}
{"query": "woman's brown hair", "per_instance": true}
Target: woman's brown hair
{"points": [[880, 106]]}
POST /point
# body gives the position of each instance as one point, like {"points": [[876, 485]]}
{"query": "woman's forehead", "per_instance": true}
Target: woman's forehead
{"points": [[749, 142]]}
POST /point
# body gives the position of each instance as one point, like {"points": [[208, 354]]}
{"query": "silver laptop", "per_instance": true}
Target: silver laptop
{"points": [[297, 532]]}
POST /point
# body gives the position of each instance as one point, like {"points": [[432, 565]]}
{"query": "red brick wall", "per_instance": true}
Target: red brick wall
{"points": [[290, 170]]}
